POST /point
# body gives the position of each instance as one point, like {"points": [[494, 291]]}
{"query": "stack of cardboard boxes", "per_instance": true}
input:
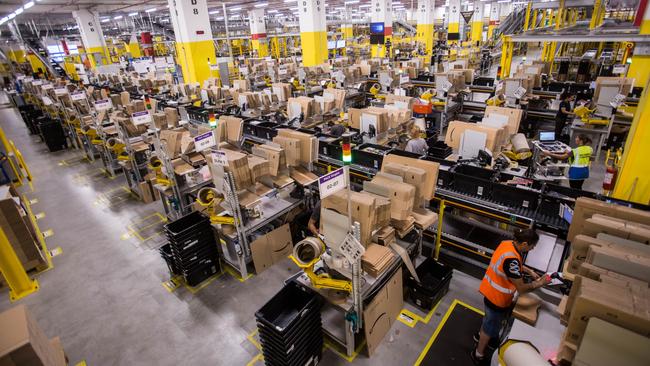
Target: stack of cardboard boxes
{"points": [[610, 265], [23, 342]]}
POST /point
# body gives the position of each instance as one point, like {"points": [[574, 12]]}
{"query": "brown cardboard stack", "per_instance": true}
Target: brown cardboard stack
{"points": [[259, 166], [291, 148], [19, 230], [363, 207], [338, 95], [495, 136], [171, 140], [238, 166], [308, 144], [274, 155], [160, 121], [234, 128], [382, 312], [620, 260], [400, 194], [125, 98], [376, 259], [585, 208], [427, 187], [271, 248], [22, 341], [411, 175], [514, 116], [172, 116], [384, 236], [628, 307], [617, 227], [282, 91]]}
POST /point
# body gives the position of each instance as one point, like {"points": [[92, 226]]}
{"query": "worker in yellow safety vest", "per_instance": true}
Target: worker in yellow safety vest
{"points": [[579, 159], [502, 280]]}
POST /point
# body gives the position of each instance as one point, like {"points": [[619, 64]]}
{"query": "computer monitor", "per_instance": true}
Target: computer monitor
{"points": [[567, 213], [546, 136]]}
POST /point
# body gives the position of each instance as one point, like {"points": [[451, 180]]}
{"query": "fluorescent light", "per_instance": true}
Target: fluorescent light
{"points": [[261, 5], [272, 11], [290, 1], [294, 9], [351, 2], [105, 20], [3, 20], [340, 8], [503, 1], [150, 10], [236, 9], [365, 6], [11, 16], [133, 14], [29, 5], [19, 11], [117, 17]]}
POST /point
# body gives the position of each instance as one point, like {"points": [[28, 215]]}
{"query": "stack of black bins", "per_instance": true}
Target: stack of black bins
{"points": [[193, 248], [290, 327]]}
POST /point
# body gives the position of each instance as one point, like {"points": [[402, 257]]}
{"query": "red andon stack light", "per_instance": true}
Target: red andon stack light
{"points": [[347, 150], [147, 102], [212, 120]]}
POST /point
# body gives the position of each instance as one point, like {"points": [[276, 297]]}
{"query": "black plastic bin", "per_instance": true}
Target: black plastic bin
{"points": [[166, 254], [434, 283], [369, 155], [185, 225]]}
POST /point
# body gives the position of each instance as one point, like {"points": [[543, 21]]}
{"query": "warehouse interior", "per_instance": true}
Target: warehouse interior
{"points": [[324, 182]]}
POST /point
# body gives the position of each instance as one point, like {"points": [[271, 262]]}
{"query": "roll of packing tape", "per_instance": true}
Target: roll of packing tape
{"points": [[519, 143], [523, 354]]}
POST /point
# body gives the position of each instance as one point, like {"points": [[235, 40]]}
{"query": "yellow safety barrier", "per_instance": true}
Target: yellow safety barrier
{"points": [[20, 285]]}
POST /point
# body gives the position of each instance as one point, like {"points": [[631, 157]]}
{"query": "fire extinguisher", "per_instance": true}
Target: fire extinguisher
{"points": [[610, 178]]}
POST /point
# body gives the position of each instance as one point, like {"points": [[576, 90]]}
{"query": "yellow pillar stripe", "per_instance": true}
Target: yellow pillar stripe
{"points": [[193, 58], [425, 36], [477, 31], [262, 47], [314, 48]]}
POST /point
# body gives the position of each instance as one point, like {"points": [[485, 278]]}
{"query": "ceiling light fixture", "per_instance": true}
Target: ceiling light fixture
{"points": [[19, 11], [213, 12], [150, 10], [261, 5], [28, 5], [236, 9], [133, 14], [117, 17]]}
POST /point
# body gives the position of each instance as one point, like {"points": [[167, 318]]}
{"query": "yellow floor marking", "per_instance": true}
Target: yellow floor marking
{"points": [[81, 363], [33, 201], [203, 284], [406, 314], [441, 325], [344, 356], [39, 215], [56, 252], [172, 284], [251, 338], [235, 274], [258, 358], [47, 233]]}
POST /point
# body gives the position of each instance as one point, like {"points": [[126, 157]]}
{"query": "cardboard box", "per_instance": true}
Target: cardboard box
{"points": [[580, 248], [19, 230], [271, 248], [411, 175], [308, 144], [622, 307], [363, 207], [514, 117], [494, 139], [401, 195], [58, 354], [125, 98], [22, 341], [259, 167], [145, 191], [291, 149], [160, 120], [428, 186], [588, 270], [172, 116], [275, 156], [621, 261], [598, 224], [585, 208], [380, 314]]}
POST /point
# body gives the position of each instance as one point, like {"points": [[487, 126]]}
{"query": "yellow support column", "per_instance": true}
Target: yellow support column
{"points": [[425, 25], [194, 44], [453, 28], [313, 33], [595, 15], [477, 23], [507, 48], [640, 66], [259, 41], [494, 19], [382, 12], [92, 37], [134, 47], [20, 285], [527, 20]]}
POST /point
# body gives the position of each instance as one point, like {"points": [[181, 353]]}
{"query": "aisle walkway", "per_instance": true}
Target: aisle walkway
{"points": [[105, 298]]}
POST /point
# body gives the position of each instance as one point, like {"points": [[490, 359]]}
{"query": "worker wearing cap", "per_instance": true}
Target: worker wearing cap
{"points": [[502, 280]]}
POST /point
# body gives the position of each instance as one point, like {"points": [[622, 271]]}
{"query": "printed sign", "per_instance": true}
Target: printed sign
{"points": [[103, 105], [214, 67], [404, 79], [332, 182], [78, 96], [204, 141], [47, 86], [37, 82], [467, 15], [141, 118], [61, 91], [219, 158], [47, 101]]}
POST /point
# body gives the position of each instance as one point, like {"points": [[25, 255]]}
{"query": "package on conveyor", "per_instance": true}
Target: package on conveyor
{"points": [[363, 208]]}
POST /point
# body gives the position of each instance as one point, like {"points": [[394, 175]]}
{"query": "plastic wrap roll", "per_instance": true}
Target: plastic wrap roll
{"points": [[519, 143], [523, 354]]}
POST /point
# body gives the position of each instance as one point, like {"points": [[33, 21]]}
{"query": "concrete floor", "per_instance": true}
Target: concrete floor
{"points": [[105, 299]]}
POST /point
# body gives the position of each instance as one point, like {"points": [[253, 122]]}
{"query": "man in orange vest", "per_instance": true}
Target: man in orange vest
{"points": [[504, 278]]}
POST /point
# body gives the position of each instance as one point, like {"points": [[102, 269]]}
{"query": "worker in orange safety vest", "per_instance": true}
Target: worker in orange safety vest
{"points": [[502, 281]]}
